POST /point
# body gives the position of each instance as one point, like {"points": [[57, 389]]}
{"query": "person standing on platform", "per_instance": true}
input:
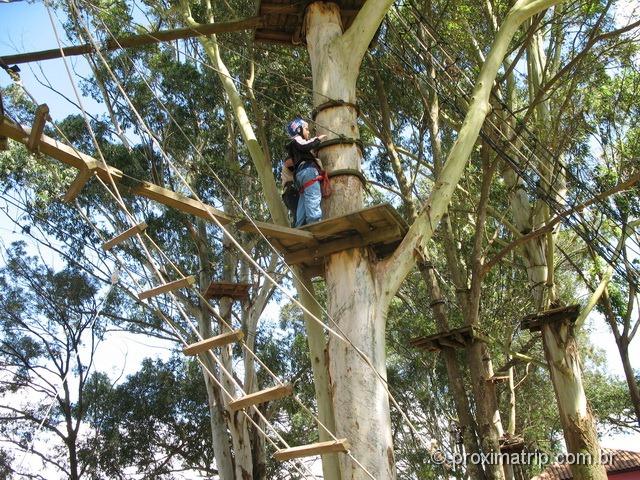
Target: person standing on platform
{"points": [[307, 170]]}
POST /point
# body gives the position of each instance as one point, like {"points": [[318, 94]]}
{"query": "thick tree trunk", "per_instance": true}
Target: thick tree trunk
{"points": [[561, 353], [360, 401]]}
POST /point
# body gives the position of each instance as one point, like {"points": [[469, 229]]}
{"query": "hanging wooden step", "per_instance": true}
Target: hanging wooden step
{"points": [[535, 322], [236, 291], [458, 338], [498, 379], [321, 448], [379, 227], [84, 175], [41, 117], [168, 287], [108, 245], [263, 396], [217, 341]]}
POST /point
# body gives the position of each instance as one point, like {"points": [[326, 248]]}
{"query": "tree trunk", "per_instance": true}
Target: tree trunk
{"points": [[467, 424], [220, 438], [561, 353], [634, 392], [352, 293]]}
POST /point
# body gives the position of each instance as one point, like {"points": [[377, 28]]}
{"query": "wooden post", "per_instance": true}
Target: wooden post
{"points": [[42, 115], [108, 245], [84, 175]]}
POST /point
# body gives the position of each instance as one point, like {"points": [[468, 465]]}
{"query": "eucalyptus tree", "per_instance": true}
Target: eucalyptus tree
{"points": [[51, 328]]}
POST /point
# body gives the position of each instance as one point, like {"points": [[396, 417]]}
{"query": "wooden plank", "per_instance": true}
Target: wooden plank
{"points": [[138, 40], [279, 9], [108, 245], [74, 158], [498, 378], [238, 291], [311, 255], [321, 448], [217, 341], [168, 287], [271, 230], [84, 175], [378, 216], [262, 396], [359, 223], [449, 342], [179, 202], [273, 36], [42, 114]]}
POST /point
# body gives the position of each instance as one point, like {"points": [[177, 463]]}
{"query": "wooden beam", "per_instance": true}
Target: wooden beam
{"points": [[262, 396], [271, 230], [42, 115], [84, 175], [273, 36], [74, 158], [108, 245], [168, 287], [354, 241], [217, 341], [177, 201], [139, 40], [321, 448], [280, 8]]}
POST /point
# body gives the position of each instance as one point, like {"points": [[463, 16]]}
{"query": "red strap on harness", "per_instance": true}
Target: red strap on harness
{"points": [[319, 178]]}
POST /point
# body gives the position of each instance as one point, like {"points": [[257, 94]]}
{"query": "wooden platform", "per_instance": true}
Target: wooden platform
{"points": [[379, 227], [458, 338], [535, 322], [236, 291], [511, 443], [283, 19]]}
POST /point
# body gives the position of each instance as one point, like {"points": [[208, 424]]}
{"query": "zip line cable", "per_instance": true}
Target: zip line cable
{"points": [[522, 128], [552, 203]]}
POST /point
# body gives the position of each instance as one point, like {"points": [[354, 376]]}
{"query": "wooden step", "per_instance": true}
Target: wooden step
{"points": [[209, 343], [84, 175], [42, 115], [262, 396], [168, 287], [333, 446], [108, 245]]}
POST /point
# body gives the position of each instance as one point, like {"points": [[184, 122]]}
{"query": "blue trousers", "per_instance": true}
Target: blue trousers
{"points": [[309, 203]]}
